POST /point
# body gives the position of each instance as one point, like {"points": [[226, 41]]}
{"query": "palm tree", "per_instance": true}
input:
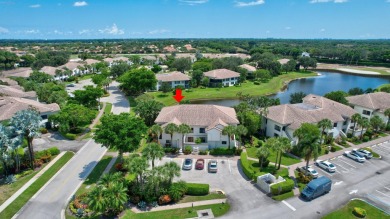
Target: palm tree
{"points": [[108, 179], [308, 136], [117, 197], [170, 129], [229, 131], [364, 123], [96, 199], [241, 130], [285, 146], [262, 153], [172, 169], [155, 131], [137, 166], [355, 119], [324, 125], [27, 124], [153, 151], [376, 123], [387, 113], [184, 129], [274, 145]]}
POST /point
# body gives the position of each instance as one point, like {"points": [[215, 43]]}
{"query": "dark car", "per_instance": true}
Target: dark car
{"points": [[199, 165], [187, 165]]}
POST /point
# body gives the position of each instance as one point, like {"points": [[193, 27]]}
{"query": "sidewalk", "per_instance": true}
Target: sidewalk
{"points": [[109, 166], [94, 122], [182, 205], [31, 181]]}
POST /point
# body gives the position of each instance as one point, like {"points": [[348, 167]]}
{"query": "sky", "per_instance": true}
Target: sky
{"points": [[124, 19]]}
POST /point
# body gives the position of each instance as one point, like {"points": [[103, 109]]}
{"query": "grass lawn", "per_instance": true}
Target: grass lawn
{"points": [[113, 170], [286, 160], [255, 166], [382, 86], [374, 154], [380, 71], [16, 205], [190, 198], [346, 211], [108, 108], [218, 210], [283, 196], [273, 86], [94, 176], [7, 191]]}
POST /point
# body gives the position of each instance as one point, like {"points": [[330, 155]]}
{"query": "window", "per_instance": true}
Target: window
{"points": [[192, 130], [160, 137], [345, 122], [276, 135], [44, 116], [190, 139], [277, 128], [177, 82], [335, 124], [223, 142], [366, 112], [203, 139], [202, 130], [168, 141]]}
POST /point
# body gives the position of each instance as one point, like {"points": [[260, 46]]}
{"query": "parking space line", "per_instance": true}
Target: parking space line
{"points": [[324, 171], [387, 188], [384, 148], [288, 205], [230, 169], [341, 166], [182, 161], [383, 193], [347, 163], [206, 165]]}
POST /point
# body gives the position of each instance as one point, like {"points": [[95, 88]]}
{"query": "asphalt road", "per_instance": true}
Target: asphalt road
{"points": [[119, 101], [53, 198]]}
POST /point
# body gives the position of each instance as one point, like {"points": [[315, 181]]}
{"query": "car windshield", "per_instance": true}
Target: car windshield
{"points": [[331, 165], [309, 190], [313, 171], [213, 165], [187, 162]]}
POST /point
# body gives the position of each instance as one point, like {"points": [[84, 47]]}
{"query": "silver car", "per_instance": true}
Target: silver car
{"points": [[326, 165], [212, 166], [362, 152], [187, 165], [309, 171], [354, 156]]}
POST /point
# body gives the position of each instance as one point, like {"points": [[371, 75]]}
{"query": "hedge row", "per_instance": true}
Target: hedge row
{"points": [[197, 189], [286, 186], [246, 166]]}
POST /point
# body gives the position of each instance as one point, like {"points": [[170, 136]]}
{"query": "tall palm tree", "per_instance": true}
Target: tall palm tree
{"points": [[172, 169], [117, 197], [184, 129], [308, 136], [137, 166], [364, 123], [241, 131], [324, 125], [153, 151], [285, 146], [229, 131], [262, 153], [155, 131], [355, 119], [96, 199], [170, 129], [387, 113], [376, 123], [274, 145]]}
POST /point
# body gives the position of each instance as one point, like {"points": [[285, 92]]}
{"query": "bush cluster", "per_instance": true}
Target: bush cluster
{"points": [[187, 149], [171, 150], [222, 151], [359, 212], [285, 187], [197, 189], [246, 166], [70, 136]]}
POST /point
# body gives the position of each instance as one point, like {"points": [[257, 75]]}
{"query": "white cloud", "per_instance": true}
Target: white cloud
{"points": [[32, 31], [193, 2], [58, 32], [267, 31], [114, 30], [322, 30], [80, 4], [326, 1], [85, 31], [152, 32], [3, 30], [35, 6], [287, 28], [248, 4]]}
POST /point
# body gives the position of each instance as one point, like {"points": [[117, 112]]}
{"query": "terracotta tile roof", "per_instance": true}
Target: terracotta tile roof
{"points": [[221, 74], [313, 109], [14, 92], [376, 101], [283, 61], [172, 76], [108, 59], [10, 105], [9, 81], [91, 61], [19, 72], [124, 59], [248, 67], [71, 65], [197, 115]]}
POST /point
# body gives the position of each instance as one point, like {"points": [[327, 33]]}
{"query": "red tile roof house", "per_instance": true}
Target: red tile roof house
{"points": [[247, 67], [15, 92], [206, 121], [283, 120], [174, 79], [222, 76]]}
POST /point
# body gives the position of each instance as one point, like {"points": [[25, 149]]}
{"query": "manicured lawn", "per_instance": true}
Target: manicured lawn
{"points": [[108, 108], [283, 196], [218, 210], [382, 86], [16, 205], [374, 154], [94, 176], [189, 198], [255, 166], [273, 86], [346, 211], [286, 160]]}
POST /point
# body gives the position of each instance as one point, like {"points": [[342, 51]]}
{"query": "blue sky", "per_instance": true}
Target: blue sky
{"points": [[70, 19]]}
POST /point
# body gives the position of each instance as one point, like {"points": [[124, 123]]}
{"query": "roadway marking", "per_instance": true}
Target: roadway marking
{"points": [[288, 205], [230, 169], [182, 161], [340, 166], [205, 165], [348, 163], [383, 193], [324, 171]]}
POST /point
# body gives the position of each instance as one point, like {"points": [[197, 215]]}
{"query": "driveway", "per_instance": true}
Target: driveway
{"points": [[79, 86], [120, 103], [57, 140]]}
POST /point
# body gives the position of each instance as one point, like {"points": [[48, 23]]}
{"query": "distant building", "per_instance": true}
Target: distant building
{"points": [[305, 54], [371, 104], [174, 79], [14, 92], [247, 67], [222, 76]]}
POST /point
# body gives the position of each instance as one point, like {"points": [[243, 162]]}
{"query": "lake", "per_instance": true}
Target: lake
{"points": [[319, 85]]}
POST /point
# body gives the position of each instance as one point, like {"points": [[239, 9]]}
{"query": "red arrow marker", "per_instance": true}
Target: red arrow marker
{"points": [[178, 97]]}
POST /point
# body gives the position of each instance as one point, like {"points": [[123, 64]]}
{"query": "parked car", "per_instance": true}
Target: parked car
{"points": [[354, 156], [187, 165], [309, 171], [71, 85], [326, 165], [199, 165], [317, 187], [212, 166], [366, 154]]}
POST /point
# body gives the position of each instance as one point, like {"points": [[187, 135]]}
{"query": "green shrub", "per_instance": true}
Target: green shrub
{"points": [[326, 151], [41, 154], [222, 151], [238, 152], [202, 152], [366, 138], [302, 178], [177, 190], [171, 150], [333, 149], [187, 149], [256, 83], [43, 130], [286, 186], [54, 151], [24, 173], [198, 140], [70, 136], [359, 212], [197, 189], [246, 166]]}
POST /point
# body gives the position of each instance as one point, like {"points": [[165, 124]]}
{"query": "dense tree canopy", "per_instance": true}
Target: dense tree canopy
{"points": [[148, 110], [338, 96], [137, 81], [88, 97], [7, 60]]}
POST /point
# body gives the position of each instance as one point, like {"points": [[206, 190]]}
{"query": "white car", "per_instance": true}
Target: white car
{"points": [[354, 156], [326, 165], [366, 154], [310, 171]]}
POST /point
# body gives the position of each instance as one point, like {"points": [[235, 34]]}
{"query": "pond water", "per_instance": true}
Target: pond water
{"points": [[319, 85]]}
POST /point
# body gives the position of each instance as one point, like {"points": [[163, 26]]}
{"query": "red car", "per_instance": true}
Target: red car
{"points": [[199, 165]]}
